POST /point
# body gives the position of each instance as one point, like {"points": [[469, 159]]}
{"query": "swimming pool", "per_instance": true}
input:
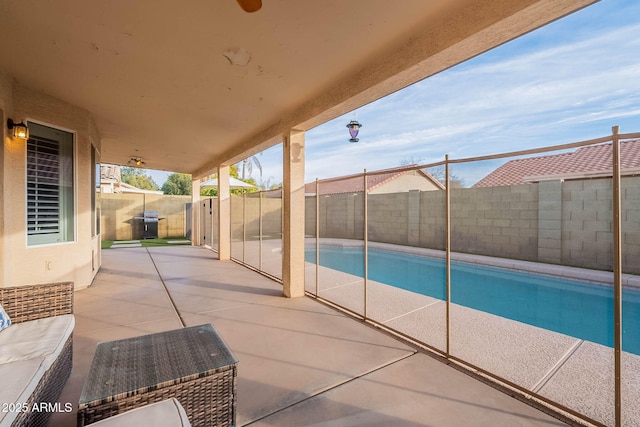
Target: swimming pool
{"points": [[580, 309]]}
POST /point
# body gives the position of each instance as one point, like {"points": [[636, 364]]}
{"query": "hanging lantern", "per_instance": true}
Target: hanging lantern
{"points": [[354, 127]]}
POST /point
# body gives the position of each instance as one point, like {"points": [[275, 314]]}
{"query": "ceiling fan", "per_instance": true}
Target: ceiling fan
{"points": [[250, 5]]}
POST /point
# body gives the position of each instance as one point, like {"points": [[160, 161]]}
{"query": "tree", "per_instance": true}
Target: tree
{"points": [[233, 172], [247, 165], [269, 184], [209, 192], [177, 184], [438, 172], [138, 178], [412, 161]]}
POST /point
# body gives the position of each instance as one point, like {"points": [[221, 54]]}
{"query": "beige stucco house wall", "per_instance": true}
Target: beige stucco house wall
{"points": [[77, 260], [410, 181]]}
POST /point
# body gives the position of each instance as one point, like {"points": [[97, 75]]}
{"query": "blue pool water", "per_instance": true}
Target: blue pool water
{"points": [[580, 309]]}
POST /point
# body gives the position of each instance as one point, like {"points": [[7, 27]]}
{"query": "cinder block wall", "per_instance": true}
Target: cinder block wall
{"points": [[587, 229], [631, 225], [587, 223], [496, 221], [247, 212], [173, 209], [567, 223], [341, 216], [237, 218], [118, 212], [550, 205], [432, 220], [389, 217], [310, 216]]}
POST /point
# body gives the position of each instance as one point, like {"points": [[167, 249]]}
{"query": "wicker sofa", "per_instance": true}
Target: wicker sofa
{"points": [[166, 413], [35, 351]]}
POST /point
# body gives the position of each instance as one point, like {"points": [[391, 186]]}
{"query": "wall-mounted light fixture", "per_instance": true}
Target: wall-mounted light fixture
{"points": [[354, 127], [136, 162], [19, 130]]}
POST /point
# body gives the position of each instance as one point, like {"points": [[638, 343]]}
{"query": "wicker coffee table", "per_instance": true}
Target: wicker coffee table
{"points": [[191, 364]]}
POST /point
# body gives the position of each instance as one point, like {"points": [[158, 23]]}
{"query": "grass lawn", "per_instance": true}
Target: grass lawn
{"points": [[106, 244]]}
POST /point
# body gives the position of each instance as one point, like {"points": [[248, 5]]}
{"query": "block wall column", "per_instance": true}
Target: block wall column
{"points": [[293, 214], [351, 216], [550, 221], [413, 220]]}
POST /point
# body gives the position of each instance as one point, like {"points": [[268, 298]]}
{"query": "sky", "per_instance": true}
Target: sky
{"points": [[569, 81]]}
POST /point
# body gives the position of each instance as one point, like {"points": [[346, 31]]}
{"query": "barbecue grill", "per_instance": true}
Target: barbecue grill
{"points": [[150, 220]]}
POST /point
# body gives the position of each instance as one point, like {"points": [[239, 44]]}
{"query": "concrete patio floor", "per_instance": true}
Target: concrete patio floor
{"points": [[300, 363]]}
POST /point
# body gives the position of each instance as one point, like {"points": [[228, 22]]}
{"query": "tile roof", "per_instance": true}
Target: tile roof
{"points": [[110, 172], [355, 183], [585, 161]]}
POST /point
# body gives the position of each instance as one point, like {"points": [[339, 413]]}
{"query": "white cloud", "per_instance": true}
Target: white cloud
{"points": [[569, 81]]}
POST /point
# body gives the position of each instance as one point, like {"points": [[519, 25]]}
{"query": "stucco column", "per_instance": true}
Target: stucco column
{"points": [[293, 215], [224, 214], [196, 233]]}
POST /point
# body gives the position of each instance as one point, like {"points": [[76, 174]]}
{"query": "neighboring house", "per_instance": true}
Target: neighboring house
{"points": [[394, 180], [587, 162], [111, 182], [110, 178]]}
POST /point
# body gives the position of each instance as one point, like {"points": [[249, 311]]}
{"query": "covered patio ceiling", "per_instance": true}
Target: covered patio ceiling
{"points": [[189, 86]]}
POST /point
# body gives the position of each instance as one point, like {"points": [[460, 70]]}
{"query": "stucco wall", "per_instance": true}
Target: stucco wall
{"points": [[6, 108], [410, 181], [119, 211], [76, 261]]}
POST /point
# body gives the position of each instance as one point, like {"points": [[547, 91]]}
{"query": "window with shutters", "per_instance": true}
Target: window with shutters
{"points": [[50, 186]]}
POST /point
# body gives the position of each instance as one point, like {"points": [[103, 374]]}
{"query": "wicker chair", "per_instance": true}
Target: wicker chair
{"points": [[24, 303]]}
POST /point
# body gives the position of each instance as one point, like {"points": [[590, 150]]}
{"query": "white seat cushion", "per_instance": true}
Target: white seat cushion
{"points": [[36, 339], [168, 413], [19, 380], [5, 320]]}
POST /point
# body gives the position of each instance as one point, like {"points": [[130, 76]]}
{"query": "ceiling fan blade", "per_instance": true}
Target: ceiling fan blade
{"points": [[250, 5]]}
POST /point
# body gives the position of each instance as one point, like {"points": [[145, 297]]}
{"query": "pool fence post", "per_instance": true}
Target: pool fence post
{"points": [[244, 223], [448, 251], [317, 234], [366, 240], [617, 275], [260, 232], [212, 222]]}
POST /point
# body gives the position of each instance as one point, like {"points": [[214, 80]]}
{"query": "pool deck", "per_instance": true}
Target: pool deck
{"points": [[300, 362], [576, 373]]}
